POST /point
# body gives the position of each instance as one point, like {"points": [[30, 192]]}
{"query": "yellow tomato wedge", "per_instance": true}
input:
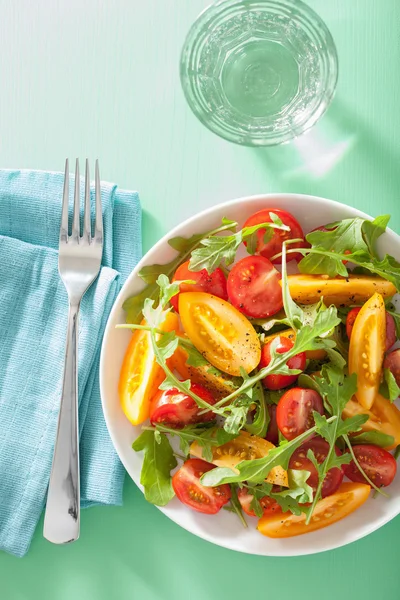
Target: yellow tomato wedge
{"points": [[367, 349], [291, 334], [354, 289], [244, 447], [220, 332], [383, 417], [331, 509], [219, 385], [140, 374]]}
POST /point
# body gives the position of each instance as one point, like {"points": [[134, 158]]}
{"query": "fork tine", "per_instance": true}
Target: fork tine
{"points": [[87, 228], [76, 218], [65, 203], [99, 214]]}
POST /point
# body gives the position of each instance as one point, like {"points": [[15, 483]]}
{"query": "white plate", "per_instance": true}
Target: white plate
{"points": [[225, 529]]}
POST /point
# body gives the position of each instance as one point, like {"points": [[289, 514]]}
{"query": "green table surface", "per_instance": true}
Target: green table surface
{"points": [[99, 78]]}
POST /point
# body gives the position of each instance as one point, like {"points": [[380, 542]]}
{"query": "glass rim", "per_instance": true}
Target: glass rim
{"points": [[195, 41]]}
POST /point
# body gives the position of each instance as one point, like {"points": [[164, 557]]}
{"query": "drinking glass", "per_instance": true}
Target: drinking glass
{"points": [[259, 72]]}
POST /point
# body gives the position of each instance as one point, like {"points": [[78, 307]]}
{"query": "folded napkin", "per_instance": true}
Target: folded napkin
{"points": [[33, 321]]}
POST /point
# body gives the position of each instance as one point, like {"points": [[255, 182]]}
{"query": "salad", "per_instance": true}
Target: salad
{"points": [[263, 392]]}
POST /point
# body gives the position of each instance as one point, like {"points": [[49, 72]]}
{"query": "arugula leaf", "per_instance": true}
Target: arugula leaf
{"points": [[378, 438], [270, 322], [352, 240], [215, 250], [372, 230], [287, 503], [387, 268], [168, 344], [343, 236], [289, 499], [257, 470], [195, 358], [258, 492], [341, 340], [396, 453], [390, 308], [294, 313], [236, 419], [299, 489], [237, 507], [336, 391], [335, 358], [158, 462], [261, 419], [133, 306], [389, 388], [351, 424]]}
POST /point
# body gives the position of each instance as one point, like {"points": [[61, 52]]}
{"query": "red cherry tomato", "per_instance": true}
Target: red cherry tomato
{"points": [[277, 382], [254, 288], [294, 413], [299, 461], [189, 490], [377, 463], [392, 362], [272, 431], [268, 505], [177, 409], [274, 245], [391, 336], [214, 283]]}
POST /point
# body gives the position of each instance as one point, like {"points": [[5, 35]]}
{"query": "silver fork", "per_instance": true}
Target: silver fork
{"points": [[79, 262]]}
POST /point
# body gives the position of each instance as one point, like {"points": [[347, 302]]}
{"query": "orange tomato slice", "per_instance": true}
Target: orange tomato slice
{"points": [[220, 332], [220, 385], [244, 447], [367, 349], [329, 510], [354, 289], [383, 417], [140, 374]]}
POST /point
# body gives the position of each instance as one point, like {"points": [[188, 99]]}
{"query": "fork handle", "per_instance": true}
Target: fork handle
{"points": [[62, 517]]}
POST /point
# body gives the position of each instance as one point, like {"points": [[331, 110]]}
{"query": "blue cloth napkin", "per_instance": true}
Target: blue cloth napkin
{"points": [[33, 320]]}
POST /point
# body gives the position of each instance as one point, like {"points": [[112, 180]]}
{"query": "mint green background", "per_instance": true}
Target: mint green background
{"points": [[99, 78]]}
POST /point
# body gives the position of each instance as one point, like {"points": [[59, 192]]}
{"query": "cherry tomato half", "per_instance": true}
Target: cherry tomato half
{"points": [[269, 505], [299, 461], [274, 245], [213, 283], [189, 490], [254, 288], [178, 409], [277, 382], [294, 413], [367, 349], [377, 463], [272, 431], [392, 362], [390, 327]]}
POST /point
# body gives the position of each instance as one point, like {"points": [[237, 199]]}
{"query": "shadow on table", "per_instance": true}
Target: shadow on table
{"points": [[152, 230], [341, 148]]}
